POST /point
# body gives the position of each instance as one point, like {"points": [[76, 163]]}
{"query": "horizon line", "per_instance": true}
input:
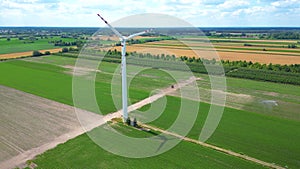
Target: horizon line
{"points": [[153, 27]]}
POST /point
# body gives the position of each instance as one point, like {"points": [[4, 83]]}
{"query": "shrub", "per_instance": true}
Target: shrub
{"points": [[36, 53], [47, 53], [65, 50]]}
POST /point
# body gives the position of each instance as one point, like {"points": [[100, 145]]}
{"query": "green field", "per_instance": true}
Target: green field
{"points": [[248, 133], [248, 95], [268, 137], [261, 117], [55, 82], [16, 45], [81, 152]]}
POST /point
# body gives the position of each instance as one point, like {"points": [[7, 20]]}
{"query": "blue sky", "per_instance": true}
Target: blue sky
{"points": [[203, 13]]}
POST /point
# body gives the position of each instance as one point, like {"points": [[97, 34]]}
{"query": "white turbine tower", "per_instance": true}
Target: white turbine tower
{"points": [[123, 40]]}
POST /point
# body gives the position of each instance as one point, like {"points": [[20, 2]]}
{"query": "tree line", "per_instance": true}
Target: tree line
{"points": [[145, 40], [63, 43], [63, 50], [288, 74], [283, 35], [294, 68]]}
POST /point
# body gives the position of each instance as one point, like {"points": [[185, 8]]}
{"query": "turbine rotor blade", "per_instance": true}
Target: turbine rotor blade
{"points": [[112, 28], [137, 34]]}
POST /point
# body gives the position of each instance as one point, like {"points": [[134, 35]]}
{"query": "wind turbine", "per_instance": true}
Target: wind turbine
{"points": [[123, 40]]}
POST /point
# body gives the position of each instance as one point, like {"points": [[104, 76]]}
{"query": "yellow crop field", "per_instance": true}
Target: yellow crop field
{"points": [[224, 51]]}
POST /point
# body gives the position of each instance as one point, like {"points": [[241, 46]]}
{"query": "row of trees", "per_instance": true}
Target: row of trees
{"points": [[242, 69], [38, 53], [266, 72], [145, 40], [284, 35], [292, 46], [64, 50], [294, 68], [266, 35], [288, 46], [63, 43], [266, 75]]}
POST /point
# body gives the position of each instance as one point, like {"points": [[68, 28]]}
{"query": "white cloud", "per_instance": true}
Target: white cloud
{"points": [[232, 4], [285, 3], [201, 12], [258, 10]]}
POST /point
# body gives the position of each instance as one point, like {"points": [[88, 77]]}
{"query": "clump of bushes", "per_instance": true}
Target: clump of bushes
{"points": [[47, 53], [36, 53], [64, 50]]}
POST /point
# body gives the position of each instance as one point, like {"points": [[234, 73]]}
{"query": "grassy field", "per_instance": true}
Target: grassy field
{"points": [[16, 45], [241, 131], [287, 96], [249, 133], [81, 152], [249, 95], [55, 82]]}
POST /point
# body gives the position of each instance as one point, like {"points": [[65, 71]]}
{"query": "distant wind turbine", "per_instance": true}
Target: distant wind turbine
{"points": [[123, 40]]}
